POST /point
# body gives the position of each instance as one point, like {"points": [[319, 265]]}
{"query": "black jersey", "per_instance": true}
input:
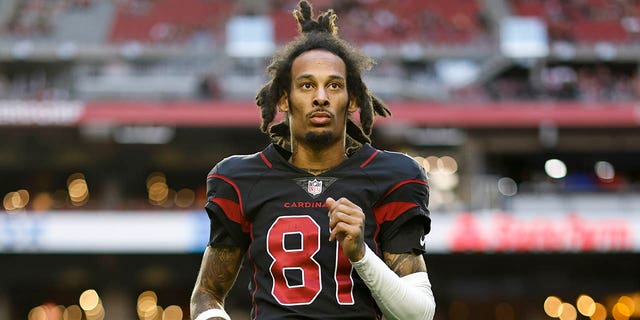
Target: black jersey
{"points": [[277, 211]]}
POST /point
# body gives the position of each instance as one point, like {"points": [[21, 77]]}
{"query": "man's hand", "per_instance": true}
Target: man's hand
{"points": [[346, 221]]}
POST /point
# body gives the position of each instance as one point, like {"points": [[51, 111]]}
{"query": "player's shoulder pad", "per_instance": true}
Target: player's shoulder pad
{"points": [[398, 165], [238, 165]]}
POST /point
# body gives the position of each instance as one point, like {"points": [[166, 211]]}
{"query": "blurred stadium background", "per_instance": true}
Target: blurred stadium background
{"points": [[525, 114]]}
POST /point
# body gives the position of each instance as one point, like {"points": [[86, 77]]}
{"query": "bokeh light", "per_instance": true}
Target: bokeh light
{"points": [[172, 312], [430, 163], [97, 313], [507, 186], [553, 306], [629, 302], [604, 171], [23, 196], [568, 312], [447, 164], [90, 307], [158, 190], [600, 312], [37, 313], [586, 305], [624, 308], [42, 201], [78, 189], [89, 300], [72, 312], [555, 168], [147, 305], [16, 200], [621, 311], [46, 311], [155, 177], [184, 198], [636, 303], [8, 201]]}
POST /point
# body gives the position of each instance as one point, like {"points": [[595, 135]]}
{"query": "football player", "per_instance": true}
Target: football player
{"points": [[333, 228]]}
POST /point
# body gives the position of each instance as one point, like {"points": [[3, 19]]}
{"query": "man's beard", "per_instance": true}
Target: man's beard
{"points": [[319, 139]]}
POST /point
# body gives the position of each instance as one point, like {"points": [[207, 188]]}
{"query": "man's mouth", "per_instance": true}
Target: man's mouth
{"points": [[320, 117]]}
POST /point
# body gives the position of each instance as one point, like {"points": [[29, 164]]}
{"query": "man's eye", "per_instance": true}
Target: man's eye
{"points": [[334, 85], [307, 85]]}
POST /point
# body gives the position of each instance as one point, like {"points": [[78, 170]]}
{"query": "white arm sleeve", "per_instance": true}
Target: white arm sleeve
{"points": [[213, 313], [406, 298]]}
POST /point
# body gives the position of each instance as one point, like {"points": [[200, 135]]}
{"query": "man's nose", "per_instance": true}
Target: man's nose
{"points": [[321, 99]]}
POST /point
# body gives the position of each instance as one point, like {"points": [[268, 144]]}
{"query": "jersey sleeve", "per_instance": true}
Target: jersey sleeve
{"points": [[228, 224], [403, 217]]}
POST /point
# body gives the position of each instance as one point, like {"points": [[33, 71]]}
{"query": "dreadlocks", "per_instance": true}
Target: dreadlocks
{"points": [[321, 33]]}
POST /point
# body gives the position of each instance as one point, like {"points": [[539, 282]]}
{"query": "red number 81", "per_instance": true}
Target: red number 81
{"points": [[302, 259]]}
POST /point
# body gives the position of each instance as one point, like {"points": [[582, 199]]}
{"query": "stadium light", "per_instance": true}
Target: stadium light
{"points": [[555, 168]]}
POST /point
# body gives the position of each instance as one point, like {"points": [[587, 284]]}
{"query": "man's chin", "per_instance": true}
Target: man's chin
{"points": [[319, 138]]}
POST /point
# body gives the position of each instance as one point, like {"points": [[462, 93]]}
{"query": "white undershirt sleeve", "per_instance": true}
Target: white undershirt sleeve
{"points": [[406, 298]]}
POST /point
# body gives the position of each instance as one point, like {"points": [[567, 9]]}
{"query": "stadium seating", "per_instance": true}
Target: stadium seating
{"points": [[387, 22], [582, 21], [168, 21]]}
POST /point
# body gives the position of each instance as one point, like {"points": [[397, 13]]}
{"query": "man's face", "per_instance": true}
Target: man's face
{"points": [[318, 101]]}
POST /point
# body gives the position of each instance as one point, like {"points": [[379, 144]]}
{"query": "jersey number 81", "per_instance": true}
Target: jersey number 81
{"points": [[301, 259]]}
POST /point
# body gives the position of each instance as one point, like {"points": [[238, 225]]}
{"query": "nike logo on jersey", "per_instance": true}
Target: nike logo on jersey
{"points": [[315, 186]]}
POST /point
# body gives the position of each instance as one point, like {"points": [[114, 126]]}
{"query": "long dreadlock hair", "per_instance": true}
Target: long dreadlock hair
{"points": [[321, 33]]}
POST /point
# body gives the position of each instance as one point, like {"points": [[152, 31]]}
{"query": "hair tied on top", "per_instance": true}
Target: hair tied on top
{"points": [[306, 24]]}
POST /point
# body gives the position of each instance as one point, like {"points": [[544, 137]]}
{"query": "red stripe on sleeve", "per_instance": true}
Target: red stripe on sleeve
{"points": [[366, 162], [232, 211], [235, 187], [390, 211], [266, 161], [400, 184]]}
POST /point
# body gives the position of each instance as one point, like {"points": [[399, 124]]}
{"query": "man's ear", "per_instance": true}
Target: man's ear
{"points": [[353, 106], [283, 103]]}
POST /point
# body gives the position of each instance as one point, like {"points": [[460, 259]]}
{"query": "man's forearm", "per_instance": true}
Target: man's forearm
{"points": [[218, 272], [406, 298], [201, 301]]}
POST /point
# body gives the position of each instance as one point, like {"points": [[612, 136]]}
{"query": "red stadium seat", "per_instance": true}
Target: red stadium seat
{"points": [[136, 20]]}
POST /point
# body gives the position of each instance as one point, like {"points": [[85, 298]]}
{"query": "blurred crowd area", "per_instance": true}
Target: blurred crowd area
{"points": [[586, 20], [414, 42], [368, 20], [382, 21], [599, 82], [36, 18], [589, 83]]}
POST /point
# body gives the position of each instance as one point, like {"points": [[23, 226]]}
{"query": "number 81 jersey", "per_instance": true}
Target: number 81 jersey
{"points": [[277, 211]]}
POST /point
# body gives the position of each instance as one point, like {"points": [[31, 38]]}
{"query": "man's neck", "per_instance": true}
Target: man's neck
{"points": [[317, 161]]}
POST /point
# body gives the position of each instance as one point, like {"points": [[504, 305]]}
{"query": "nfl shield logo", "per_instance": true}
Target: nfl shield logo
{"points": [[314, 187]]}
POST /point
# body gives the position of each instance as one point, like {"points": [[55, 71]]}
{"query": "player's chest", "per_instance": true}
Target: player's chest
{"points": [[295, 195]]}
